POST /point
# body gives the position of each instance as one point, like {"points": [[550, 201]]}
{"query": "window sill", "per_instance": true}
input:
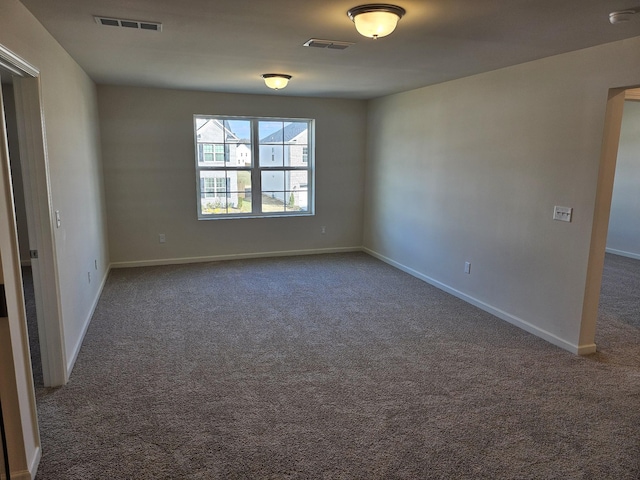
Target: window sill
{"points": [[236, 217]]}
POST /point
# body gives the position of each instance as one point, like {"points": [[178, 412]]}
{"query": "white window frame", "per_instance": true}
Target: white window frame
{"points": [[256, 170]]}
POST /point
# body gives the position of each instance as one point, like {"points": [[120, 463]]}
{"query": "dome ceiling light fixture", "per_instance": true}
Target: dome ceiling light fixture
{"points": [[277, 81], [622, 16], [376, 20]]}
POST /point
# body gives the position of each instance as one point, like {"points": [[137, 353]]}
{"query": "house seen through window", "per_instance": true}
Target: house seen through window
{"points": [[253, 167]]}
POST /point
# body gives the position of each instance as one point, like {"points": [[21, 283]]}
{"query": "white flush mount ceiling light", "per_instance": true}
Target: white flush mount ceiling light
{"points": [[277, 81], [376, 19], [622, 15]]}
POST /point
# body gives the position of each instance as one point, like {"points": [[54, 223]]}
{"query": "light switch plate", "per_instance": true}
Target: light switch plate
{"points": [[562, 214]]}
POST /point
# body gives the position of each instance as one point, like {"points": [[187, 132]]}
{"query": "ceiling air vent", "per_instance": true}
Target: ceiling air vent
{"points": [[137, 24], [330, 44]]}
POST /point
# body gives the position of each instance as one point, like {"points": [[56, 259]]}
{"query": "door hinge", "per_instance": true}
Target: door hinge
{"points": [[33, 253]]}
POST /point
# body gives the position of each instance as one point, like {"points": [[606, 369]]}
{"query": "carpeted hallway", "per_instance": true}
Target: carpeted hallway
{"points": [[337, 367]]}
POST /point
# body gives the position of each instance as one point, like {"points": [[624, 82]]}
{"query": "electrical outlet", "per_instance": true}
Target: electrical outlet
{"points": [[467, 267], [562, 214], [162, 238], [323, 230]]}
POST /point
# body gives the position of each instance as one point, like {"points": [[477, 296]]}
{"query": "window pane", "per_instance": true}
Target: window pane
{"points": [[225, 192], [296, 179], [271, 132], [273, 202], [218, 153], [273, 181], [296, 133], [296, 183], [296, 156], [238, 131], [211, 154], [271, 155], [297, 201], [273, 195], [209, 130], [238, 155], [239, 180], [212, 182], [199, 122], [215, 205]]}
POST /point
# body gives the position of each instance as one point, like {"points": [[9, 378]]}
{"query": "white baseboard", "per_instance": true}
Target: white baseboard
{"points": [[512, 319], [622, 253], [33, 466], [21, 475], [238, 256], [76, 348]]}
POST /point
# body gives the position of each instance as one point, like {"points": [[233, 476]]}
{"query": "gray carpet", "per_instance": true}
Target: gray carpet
{"points": [[334, 367]]}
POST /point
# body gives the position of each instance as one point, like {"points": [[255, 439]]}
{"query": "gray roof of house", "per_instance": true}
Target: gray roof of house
{"points": [[289, 132]]}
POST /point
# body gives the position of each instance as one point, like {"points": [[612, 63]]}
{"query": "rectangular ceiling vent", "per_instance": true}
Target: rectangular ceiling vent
{"points": [[137, 24], [330, 44]]}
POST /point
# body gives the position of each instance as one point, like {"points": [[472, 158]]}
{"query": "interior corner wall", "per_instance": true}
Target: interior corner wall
{"points": [[470, 171], [624, 220], [69, 106], [150, 178]]}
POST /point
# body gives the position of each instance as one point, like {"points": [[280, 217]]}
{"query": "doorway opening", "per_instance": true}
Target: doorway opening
{"points": [[613, 272], [17, 184], [37, 242], [619, 295]]}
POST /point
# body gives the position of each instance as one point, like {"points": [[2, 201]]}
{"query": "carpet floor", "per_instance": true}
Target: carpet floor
{"points": [[336, 367]]}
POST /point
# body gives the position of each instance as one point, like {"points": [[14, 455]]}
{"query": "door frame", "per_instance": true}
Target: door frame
{"points": [[602, 210], [16, 380], [37, 187]]}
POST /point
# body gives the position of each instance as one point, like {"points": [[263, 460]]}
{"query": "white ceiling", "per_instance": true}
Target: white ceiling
{"points": [[224, 45]]}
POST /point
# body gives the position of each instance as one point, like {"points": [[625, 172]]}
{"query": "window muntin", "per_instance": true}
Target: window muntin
{"points": [[253, 167]]}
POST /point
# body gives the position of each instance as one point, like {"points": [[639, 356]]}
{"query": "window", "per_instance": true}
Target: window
{"points": [[210, 153], [253, 167], [214, 187]]}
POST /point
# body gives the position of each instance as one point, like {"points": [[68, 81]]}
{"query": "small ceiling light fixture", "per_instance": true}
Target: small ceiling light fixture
{"points": [[376, 20], [622, 15], [276, 81]]}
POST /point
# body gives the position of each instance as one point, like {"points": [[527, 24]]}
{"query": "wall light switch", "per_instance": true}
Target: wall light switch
{"points": [[467, 267], [562, 214], [58, 221], [162, 238]]}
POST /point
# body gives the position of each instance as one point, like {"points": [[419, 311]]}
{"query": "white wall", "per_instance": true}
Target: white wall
{"points": [[70, 113], [470, 170], [624, 222], [71, 127], [149, 165]]}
